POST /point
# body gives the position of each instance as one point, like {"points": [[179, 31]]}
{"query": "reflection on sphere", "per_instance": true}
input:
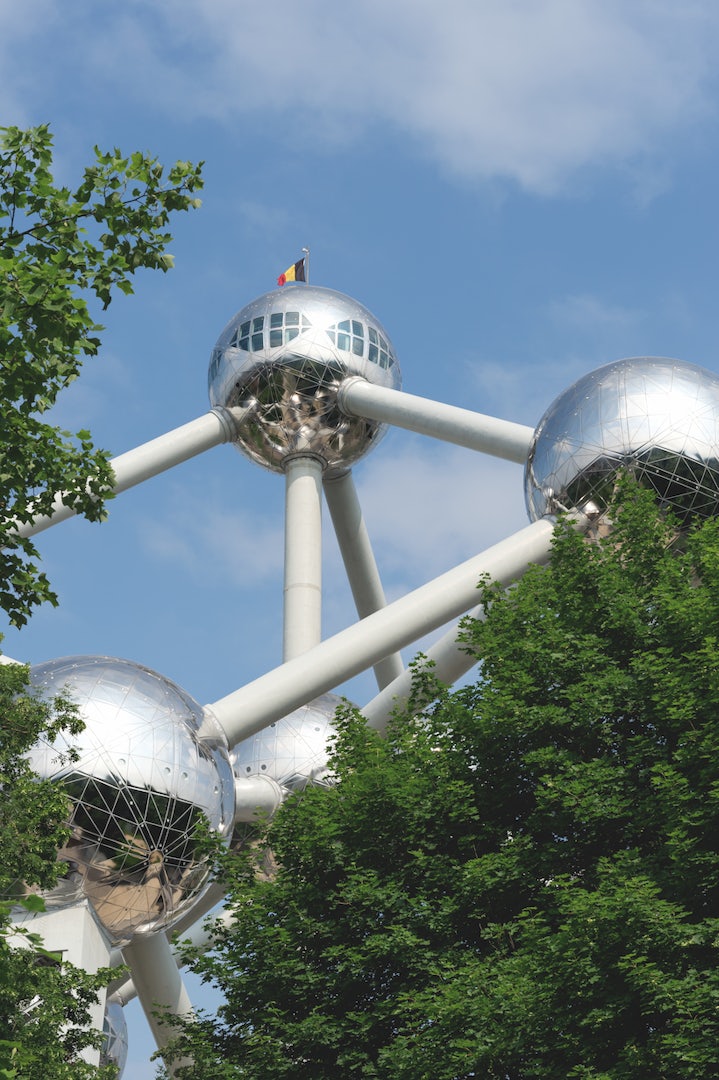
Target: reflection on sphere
{"points": [[140, 786], [285, 354], [655, 418]]}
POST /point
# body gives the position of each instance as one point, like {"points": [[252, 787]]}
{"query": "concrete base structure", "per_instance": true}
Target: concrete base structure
{"points": [[75, 935]]}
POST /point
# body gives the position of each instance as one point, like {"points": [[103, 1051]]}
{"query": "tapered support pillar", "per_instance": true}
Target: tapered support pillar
{"points": [[303, 555], [359, 561], [158, 984]]}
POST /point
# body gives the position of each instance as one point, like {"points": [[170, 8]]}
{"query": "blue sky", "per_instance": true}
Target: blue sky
{"points": [[520, 191]]}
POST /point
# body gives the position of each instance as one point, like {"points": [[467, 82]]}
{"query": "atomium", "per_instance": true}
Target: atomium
{"points": [[141, 784], [284, 356], [654, 418], [146, 774]]}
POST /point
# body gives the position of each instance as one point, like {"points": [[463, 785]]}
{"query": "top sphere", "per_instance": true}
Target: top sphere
{"points": [[285, 355], [140, 780], [653, 417]]}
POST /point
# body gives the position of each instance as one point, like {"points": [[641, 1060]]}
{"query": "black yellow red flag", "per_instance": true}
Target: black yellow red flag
{"points": [[296, 272]]}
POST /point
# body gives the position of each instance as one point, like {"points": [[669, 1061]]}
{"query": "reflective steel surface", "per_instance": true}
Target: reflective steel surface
{"points": [[655, 417], [114, 1035], [141, 783], [286, 354], [293, 750]]}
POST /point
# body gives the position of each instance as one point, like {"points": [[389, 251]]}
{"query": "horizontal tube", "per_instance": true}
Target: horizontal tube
{"points": [[487, 434]]}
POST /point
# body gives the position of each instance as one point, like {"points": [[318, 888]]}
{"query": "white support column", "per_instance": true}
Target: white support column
{"points": [[158, 984], [351, 651], [124, 990], [303, 555], [359, 561], [198, 934], [489, 435], [154, 457]]}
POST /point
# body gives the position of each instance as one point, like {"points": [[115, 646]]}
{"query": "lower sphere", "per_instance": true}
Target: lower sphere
{"points": [[141, 785], [294, 750]]}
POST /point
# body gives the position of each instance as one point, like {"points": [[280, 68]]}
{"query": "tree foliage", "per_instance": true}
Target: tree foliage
{"points": [[522, 880], [44, 1004], [62, 249]]}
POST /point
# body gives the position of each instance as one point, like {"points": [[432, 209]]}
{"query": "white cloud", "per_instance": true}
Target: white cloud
{"points": [[527, 90], [530, 91]]}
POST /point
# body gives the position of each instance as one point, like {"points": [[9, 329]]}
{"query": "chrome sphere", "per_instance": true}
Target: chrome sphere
{"points": [[114, 1037], [285, 355], [655, 418], [141, 782], [292, 751]]}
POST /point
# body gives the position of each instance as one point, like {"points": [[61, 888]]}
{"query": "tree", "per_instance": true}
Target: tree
{"points": [[59, 249], [522, 880], [44, 1003]]}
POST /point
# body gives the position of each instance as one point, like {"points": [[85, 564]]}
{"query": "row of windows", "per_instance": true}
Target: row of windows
{"points": [[349, 335], [283, 326]]}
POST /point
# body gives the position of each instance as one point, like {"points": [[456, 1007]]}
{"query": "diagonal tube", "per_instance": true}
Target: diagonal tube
{"points": [[154, 457], [359, 561], [352, 650], [449, 662]]}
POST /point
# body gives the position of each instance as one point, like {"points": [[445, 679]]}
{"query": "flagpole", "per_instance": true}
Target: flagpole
{"points": [[306, 253]]}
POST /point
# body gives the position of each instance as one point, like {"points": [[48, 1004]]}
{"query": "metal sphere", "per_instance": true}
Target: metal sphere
{"points": [[285, 354], [114, 1037], [292, 751], [655, 418], [140, 784]]}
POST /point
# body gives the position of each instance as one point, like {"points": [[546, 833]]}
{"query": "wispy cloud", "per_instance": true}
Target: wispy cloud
{"points": [[87, 401], [531, 92], [427, 507]]}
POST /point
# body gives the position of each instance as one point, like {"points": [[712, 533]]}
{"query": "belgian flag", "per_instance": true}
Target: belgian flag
{"points": [[296, 272]]}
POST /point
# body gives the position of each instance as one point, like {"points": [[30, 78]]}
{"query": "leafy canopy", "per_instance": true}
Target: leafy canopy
{"points": [[60, 251], [522, 880], [44, 1004]]}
